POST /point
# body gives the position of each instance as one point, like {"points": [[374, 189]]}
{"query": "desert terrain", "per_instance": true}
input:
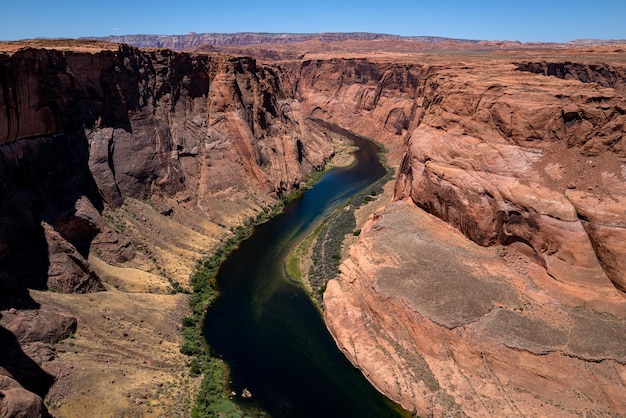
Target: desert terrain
{"points": [[488, 278]]}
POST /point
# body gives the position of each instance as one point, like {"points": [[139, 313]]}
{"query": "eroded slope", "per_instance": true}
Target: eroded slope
{"points": [[120, 169], [174, 149]]}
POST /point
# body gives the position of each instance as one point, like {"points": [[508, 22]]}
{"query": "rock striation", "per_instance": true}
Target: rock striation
{"points": [[529, 165], [85, 127], [449, 328], [496, 277], [203, 40], [81, 131], [526, 166], [194, 40]]}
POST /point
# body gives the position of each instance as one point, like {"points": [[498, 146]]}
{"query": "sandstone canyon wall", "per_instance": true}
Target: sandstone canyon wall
{"points": [[81, 130], [522, 313], [87, 128], [528, 165]]}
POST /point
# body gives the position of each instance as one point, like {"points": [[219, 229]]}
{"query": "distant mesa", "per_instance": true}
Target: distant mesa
{"points": [[193, 40]]}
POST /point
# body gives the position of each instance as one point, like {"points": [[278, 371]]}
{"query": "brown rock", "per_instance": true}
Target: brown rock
{"points": [[491, 147], [113, 247], [471, 335], [68, 272], [46, 324], [487, 177], [18, 402]]}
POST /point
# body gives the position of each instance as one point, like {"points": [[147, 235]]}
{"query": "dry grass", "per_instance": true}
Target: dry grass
{"points": [[124, 358]]}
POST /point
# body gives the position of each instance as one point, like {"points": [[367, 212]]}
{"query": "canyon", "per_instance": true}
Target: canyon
{"points": [[489, 278]]}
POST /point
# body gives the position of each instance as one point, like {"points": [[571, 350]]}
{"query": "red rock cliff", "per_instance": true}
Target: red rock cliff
{"points": [[530, 165], [84, 126], [513, 159], [119, 122], [505, 156]]}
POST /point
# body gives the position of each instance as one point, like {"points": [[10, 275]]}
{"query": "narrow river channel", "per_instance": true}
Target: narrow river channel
{"points": [[266, 327]]}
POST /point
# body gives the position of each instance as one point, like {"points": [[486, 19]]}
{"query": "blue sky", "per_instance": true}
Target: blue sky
{"points": [[526, 21]]}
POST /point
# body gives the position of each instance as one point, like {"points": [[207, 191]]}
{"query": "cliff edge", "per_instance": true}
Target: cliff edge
{"points": [[494, 284]]}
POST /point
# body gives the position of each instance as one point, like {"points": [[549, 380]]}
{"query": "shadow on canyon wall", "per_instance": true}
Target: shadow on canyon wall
{"points": [[21, 367], [44, 180]]}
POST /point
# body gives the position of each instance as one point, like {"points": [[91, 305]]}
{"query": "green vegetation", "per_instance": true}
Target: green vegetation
{"points": [[212, 399], [326, 253], [327, 239], [292, 264]]}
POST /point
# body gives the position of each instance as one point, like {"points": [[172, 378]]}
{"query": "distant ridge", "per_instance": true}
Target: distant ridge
{"points": [[193, 40]]}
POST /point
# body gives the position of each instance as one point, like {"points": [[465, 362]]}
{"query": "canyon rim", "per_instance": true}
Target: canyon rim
{"points": [[489, 279]]}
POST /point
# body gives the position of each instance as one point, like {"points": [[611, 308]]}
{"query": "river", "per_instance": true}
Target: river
{"points": [[267, 329]]}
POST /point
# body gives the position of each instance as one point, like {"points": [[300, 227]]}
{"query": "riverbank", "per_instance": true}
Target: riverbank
{"points": [[129, 339], [299, 261], [259, 307], [315, 259], [213, 398], [454, 329]]}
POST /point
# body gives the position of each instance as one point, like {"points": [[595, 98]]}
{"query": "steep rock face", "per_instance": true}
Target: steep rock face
{"points": [[521, 164], [90, 127], [449, 328], [528, 164], [85, 129], [532, 164], [602, 74], [501, 155], [43, 180], [377, 100]]}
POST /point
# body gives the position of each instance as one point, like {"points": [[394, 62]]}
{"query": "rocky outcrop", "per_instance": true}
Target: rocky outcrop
{"points": [[530, 166], [449, 328], [28, 339], [90, 127], [81, 130], [526, 166], [44, 179], [19, 402], [601, 74]]}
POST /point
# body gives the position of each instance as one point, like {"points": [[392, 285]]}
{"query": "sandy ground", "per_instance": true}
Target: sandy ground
{"points": [[124, 359]]}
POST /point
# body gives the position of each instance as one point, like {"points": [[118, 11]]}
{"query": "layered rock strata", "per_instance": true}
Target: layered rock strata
{"points": [[527, 165], [173, 148], [507, 160], [85, 130], [449, 328]]}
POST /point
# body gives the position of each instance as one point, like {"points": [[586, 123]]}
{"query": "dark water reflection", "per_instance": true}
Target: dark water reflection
{"points": [[267, 329]]}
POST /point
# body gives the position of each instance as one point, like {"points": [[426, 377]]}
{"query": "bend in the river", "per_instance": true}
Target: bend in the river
{"points": [[266, 327]]}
